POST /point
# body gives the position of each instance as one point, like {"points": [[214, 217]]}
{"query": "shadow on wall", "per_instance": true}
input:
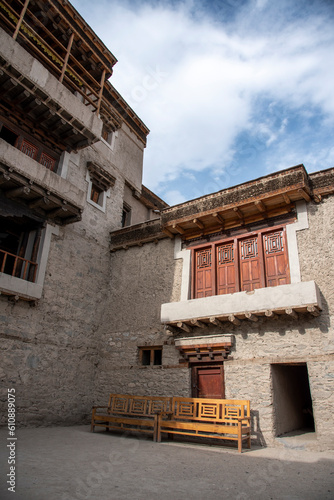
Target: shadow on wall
{"points": [[257, 435]]}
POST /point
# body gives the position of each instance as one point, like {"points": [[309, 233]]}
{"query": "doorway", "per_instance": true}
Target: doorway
{"points": [[293, 410], [208, 381]]}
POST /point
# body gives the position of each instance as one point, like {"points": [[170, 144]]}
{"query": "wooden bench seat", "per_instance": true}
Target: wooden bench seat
{"points": [[209, 418], [130, 413]]}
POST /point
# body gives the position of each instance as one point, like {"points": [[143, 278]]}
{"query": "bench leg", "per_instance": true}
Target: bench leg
{"points": [[249, 441], [92, 427]]}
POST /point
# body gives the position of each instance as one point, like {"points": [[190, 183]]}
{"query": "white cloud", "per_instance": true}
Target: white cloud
{"points": [[197, 82]]}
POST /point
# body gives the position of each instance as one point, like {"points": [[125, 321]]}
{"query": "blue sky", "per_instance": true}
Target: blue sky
{"points": [[231, 90]]}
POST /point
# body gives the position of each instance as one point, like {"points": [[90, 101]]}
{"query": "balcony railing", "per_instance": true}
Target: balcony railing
{"points": [[17, 266]]}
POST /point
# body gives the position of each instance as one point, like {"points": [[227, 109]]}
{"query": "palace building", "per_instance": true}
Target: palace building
{"points": [[105, 288]]}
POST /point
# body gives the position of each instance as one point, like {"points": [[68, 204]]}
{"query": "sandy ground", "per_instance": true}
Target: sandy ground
{"points": [[67, 463]]}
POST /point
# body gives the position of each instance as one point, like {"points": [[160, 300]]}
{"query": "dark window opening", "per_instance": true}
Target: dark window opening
{"points": [[293, 410], [126, 215], [96, 194], [150, 356], [19, 245], [8, 135]]}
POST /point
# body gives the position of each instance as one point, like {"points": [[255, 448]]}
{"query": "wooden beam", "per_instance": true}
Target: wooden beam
{"points": [[260, 206], [239, 213], [13, 193], [271, 314], [169, 233], [286, 198], [198, 323], [103, 77], [234, 320], [290, 312], [220, 218], [171, 328], [178, 228], [216, 321], [198, 223], [184, 327], [251, 317], [4, 178], [313, 310], [39, 201], [18, 26], [304, 194]]}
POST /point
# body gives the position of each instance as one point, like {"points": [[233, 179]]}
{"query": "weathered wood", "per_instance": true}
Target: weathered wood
{"points": [[251, 317], [270, 314], [198, 323], [13, 193], [198, 223], [216, 321], [290, 312], [234, 320], [184, 327], [313, 310]]}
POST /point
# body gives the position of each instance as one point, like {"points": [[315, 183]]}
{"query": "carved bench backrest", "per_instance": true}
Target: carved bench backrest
{"points": [[217, 410], [123, 404]]}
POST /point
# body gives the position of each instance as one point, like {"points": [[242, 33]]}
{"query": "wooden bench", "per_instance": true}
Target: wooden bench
{"points": [[130, 413], [209, 418]]}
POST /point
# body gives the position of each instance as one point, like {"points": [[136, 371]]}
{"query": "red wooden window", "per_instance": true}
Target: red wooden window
{"points": [[29, 149], [241, 263], [47, 161]]}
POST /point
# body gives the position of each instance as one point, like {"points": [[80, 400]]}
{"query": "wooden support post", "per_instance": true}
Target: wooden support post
{"points": [[103, 77], [184, 327], [200, 324], [18, 26], [69, 46], [234, 320], [251, 317], [216, 321], [290, 312], [313, 310]]}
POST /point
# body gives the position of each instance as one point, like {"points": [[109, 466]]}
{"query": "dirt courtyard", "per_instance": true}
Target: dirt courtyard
{"points": [[70, 463]]}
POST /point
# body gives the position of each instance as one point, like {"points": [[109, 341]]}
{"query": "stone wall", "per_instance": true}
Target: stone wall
{"points": [[142, 278], [49, 353]]}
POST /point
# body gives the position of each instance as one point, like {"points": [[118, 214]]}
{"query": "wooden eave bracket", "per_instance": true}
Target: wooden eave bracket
{"points": [[101, 176], [237, 318]]}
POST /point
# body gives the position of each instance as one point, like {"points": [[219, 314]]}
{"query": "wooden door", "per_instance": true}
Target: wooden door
{"points": [[250, 273], [208, 382], [203, 273]]}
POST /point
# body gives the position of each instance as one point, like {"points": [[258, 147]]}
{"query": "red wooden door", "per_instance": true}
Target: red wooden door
{"points": [[208, 382], [226, 275], [203, 273], [250, 272], [276, 259]]}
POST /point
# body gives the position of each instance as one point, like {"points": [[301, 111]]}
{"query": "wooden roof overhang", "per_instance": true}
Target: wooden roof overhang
{"points": [[227, 320], [57, 36], [241, 205], [49, 205], [35, 111], [204, 353], [136, 235]]}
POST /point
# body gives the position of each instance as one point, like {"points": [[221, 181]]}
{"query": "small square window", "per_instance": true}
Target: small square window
{"points": [[150, 356], [96, 194]]}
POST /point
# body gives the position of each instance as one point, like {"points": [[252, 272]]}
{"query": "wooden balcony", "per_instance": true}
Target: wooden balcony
{"points": [[17, 266]]}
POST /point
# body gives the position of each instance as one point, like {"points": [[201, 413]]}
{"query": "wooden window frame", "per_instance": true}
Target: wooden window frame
{"points": [[152, 350], [236, 239]]}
